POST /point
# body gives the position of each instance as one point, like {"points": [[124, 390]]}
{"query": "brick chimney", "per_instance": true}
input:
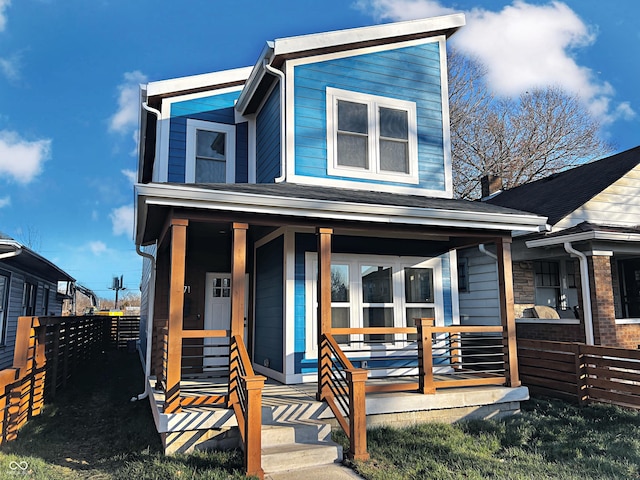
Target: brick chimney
{"points": [[490, 184]]}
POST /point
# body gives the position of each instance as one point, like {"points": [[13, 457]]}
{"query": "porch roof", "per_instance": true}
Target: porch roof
{"points": [[323, 203], [587, 231]]}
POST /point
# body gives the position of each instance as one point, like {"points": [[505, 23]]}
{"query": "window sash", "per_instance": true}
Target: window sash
{"points": [[210, 165], [385, 150]]}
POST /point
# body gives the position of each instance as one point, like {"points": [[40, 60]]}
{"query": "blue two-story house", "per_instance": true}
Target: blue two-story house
{"points": [[318, 180]]}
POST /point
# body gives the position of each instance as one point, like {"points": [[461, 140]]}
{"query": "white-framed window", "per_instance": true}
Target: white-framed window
{"points": [[371, 137], [211, 152], [375, 291]]}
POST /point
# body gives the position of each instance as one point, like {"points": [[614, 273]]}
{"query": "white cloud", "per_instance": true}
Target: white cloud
{"points": [[126, 117], [122, 220], [131, 175], [4, 4], [5, 201], [21, 159], [523, 46], [97, 247], [10, 67]]}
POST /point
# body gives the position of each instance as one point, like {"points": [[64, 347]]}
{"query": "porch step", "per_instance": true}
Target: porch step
{"points": [[289, 446]]}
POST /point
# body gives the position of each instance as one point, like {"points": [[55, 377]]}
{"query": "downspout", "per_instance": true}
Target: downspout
{"points": [[15, 253], [152, 110], [484, 250], [150, 305], [283, 112], [586, 291]]}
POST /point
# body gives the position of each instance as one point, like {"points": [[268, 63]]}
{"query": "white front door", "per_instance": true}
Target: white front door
{"points": [[217, 316]]}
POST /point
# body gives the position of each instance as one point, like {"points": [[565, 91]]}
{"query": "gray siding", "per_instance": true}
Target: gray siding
{"points": [[480, 304]]}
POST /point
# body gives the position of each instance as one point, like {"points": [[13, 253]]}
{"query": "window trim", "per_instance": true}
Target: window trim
{"points": [[230, 148], [355, 291], [373, 102], [4, 308]]}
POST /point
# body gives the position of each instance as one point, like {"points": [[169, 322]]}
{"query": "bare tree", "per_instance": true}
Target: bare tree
{"points": [[522, 139]]}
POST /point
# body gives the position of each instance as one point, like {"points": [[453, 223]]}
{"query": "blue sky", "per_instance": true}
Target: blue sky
{"points": [[69, 71]]}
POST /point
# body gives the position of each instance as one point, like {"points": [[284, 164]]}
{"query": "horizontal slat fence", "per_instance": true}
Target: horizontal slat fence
{"points": [[580, 372], [48, 350]]}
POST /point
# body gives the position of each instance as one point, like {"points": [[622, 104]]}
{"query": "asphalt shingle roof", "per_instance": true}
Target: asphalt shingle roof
{"points": [[560, 194]]}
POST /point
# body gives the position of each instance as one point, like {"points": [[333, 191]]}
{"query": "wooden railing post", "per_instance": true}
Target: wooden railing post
{"points": [[176, 308], [357, 414], [238, 269], [507, 314], [425, 356], [324, 309], [253, 425]]}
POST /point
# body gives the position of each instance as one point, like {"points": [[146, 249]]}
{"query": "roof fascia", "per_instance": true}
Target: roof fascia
{"points": [[195, 83], [181, 196], [583, 237]]}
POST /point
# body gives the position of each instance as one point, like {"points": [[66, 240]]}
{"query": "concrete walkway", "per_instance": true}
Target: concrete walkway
{"points": [[333, 472]]}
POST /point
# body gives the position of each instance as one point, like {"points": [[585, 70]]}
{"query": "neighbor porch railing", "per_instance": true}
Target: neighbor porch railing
{"points": [[428, 358], [47, 352]]}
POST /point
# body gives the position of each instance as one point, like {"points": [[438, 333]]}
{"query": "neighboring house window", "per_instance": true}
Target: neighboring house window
{"points": [[629, 275], [29, 296], [547, 276], [211, 152], [376, 291], [45, 300], [4, 305], [463, 275], [371, 137]]}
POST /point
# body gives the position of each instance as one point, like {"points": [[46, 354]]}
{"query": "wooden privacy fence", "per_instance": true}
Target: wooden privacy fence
{"points": [[580, 372], [48, 350]]}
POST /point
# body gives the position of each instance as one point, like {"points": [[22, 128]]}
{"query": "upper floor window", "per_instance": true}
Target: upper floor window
{"points": [[211, 151], [371, 137]]}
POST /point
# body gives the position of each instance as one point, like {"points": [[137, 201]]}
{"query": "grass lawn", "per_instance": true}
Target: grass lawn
{"points": [[93, 431], [551, 439]]}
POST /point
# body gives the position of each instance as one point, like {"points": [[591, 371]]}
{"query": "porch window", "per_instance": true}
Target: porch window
{"points": [[210, 155], [629, 278], [547, 275], [375, 291], [371, 137]]}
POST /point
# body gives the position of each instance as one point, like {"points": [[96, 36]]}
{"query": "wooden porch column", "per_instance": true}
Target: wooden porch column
{"points": [[176, 308], [238, 270], [324, 303], [507, 315]]}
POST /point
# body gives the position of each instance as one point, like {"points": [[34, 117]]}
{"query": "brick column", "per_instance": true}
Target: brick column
{"points": [[602, 304]]}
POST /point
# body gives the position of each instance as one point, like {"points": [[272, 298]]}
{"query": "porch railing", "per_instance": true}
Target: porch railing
{"points": [[47, 352], [239, 387], [343, 388]]}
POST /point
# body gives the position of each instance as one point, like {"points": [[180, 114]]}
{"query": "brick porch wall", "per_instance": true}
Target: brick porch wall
{"points": [[602, 305]]}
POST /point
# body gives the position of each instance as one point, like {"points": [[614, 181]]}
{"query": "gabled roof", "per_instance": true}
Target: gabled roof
{"points": [[560, 194], [14, 253]]}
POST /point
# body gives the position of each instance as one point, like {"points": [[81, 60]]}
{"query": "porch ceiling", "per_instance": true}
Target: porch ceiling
{"points": [[289, 204]]}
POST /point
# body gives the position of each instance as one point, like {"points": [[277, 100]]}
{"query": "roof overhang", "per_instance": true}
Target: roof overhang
{"points": [[583, 237], [184, 196], [29, 261], [281, 49]]}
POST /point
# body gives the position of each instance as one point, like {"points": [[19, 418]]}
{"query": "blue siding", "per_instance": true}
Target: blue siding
{"points": [[216, 108], [268, 139], [411, 73], [269, 304], [242, 153]]}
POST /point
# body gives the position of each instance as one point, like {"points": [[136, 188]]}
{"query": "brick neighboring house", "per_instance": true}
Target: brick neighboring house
{"points": [[594, 217]]}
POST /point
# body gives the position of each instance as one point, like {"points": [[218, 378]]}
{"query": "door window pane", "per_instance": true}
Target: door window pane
{"points": [[418, 312], [378, 317], [339, 283], [340, 318]]}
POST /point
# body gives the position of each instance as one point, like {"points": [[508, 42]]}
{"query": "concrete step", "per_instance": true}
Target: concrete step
{"points": [[291, 456], [284, 433]]}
